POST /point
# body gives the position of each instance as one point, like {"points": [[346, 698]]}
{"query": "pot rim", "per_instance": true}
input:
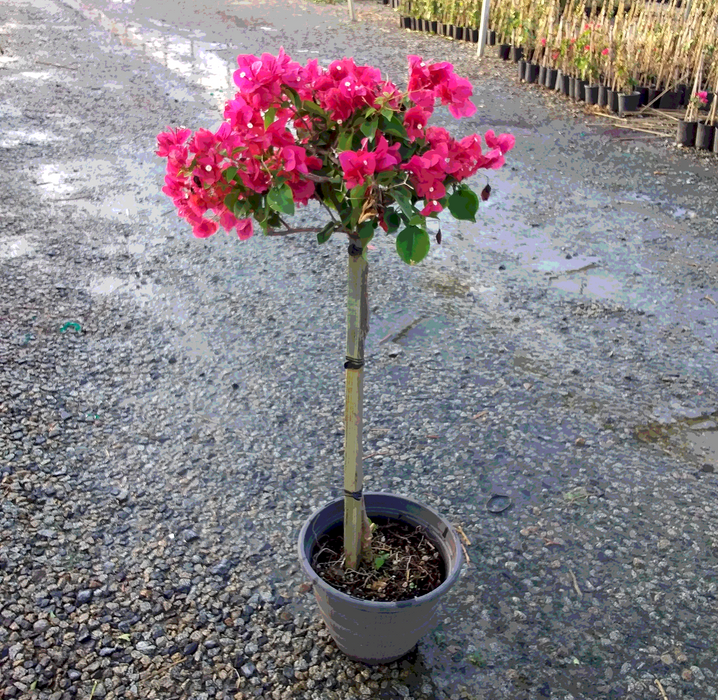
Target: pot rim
{"points": [[453, 572]]}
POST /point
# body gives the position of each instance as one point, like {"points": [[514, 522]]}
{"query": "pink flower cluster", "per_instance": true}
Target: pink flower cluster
{"points": [[270, 138], [458, 159], [345, 88], [358, 165], [429, 82]]}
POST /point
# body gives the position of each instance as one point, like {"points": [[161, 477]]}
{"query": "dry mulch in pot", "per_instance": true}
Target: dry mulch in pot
{"points": [[405, 563]]}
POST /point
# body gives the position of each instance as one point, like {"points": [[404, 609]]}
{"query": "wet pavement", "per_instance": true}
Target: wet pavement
{"points": [[562, 351]]}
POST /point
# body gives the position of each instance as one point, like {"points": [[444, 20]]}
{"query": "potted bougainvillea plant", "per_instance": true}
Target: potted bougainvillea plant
{"points": [[347, 138]]}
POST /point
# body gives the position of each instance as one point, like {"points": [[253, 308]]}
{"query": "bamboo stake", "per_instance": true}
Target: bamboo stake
{"points": [[357, 533]]}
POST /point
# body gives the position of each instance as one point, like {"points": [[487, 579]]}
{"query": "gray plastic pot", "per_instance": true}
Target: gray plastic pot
{"points": [[372, 631]]}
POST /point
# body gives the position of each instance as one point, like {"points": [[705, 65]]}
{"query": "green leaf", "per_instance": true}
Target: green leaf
{"points": [[392, 220], [280, 199], [242, 209], [379, 561], [464, 204], [357, 201], [314, 108], [269, 117], [326, 233], [366, 232], [124, 637], [412, 244], [386, 177], [344, 143], [418, 220], [387, 113], [293, 96], [369, 128], [231, 199], [403, 199], [395, 127], [229, 174]]}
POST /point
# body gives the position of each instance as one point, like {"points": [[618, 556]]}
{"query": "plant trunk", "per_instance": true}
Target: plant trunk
{"points": [[357, 532]]}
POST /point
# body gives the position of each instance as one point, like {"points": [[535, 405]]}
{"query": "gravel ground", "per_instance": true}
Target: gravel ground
{"points": [[170, 409]]}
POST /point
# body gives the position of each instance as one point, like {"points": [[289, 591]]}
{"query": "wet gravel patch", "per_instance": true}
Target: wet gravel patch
{"points": [[170, 412]]}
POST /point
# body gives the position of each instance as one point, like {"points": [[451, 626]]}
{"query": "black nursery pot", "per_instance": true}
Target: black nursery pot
{"points": [[590, 93], [406, 22], [458, 33], [531, 73], [612, 101], [653, 92], [565, 85], [472, 35], [434, 26], [704, 136], [517, 53], [643, 91], [414, 23], [578, 85], [715, 140], [491, 38], [683, 96], [504, 51], [550, 81], [602, 96], [559, 80], [446, 30], [522, 69], [628, 103], [542, 75], [686, 135], [671, 100]]}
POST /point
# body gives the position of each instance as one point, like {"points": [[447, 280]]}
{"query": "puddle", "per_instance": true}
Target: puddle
{"points": [[598, 285], [692, 438], [15, 247], [405, 328], [13, 139], [525, 363], [188, 57], [142, 292]]}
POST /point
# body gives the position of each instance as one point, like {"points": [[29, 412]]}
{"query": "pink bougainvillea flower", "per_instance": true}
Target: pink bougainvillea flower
{"points": [[415, 119], [431, 206], [605, 52], [357, 165], [245, 229], [702, 96], [205, 228], [203, 141], [386, 156], [504, 142], [227, 220], [260, 79], [170, 140], [302, 191], [543, 42], [456, 93], [238, 112]]}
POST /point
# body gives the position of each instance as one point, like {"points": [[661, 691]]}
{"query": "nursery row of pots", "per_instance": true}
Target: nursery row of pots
{"points": [[471, 34], [692, 133]]}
